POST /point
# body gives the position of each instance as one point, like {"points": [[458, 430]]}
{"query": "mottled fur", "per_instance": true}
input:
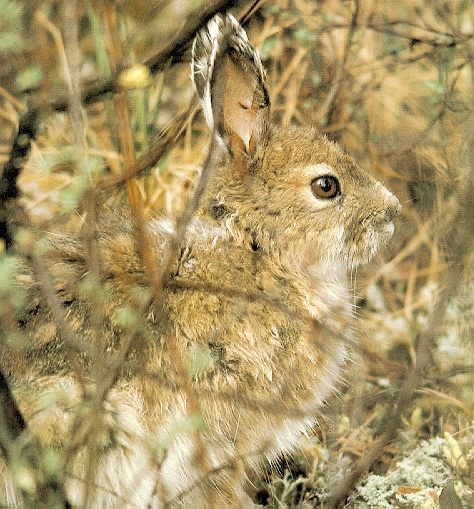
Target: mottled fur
{"points": [[258, 306]]}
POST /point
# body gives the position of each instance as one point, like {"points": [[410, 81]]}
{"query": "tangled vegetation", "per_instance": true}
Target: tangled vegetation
{"points": [[393, 83]]}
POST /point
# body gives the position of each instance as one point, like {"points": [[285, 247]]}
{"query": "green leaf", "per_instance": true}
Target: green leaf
{"points": [[11, 36], [30, 78], [303, 34]]}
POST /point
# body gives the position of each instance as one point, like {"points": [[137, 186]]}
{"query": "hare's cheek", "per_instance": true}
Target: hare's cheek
{"points": [[323, 244]]}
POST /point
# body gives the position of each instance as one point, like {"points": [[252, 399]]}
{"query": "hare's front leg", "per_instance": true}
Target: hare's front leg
{"points": [[231, 496], [203, 474]]}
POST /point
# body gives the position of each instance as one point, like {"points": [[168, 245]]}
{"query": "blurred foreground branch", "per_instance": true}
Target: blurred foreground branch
{"points": [[168, 54], [145, 161], [24, 456]]}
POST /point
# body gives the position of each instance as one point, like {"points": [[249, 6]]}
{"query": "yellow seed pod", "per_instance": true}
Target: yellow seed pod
{"points": [[137, 76]]}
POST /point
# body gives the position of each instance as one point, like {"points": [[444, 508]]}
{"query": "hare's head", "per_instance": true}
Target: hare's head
{"points": [[289, 188]]}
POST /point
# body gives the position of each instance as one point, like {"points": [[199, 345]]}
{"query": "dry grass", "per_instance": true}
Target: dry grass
{"points": [[393, 83]]}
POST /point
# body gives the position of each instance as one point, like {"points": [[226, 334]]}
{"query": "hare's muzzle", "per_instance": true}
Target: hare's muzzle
{"points": [[393, 209], [377, 229]]}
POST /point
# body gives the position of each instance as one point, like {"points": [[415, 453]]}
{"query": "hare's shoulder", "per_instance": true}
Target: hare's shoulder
{"points": [[217, 255]]}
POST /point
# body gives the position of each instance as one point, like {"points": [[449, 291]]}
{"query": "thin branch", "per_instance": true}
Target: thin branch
{"points": [[412, 31], [158, 280], [326, 106], [72, 72]]}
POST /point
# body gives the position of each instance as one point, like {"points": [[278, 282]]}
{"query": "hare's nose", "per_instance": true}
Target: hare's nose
{"points": [[393, 208]]}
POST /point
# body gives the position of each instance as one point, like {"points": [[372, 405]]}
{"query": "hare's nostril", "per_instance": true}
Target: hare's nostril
{"points": [[398, 206]]}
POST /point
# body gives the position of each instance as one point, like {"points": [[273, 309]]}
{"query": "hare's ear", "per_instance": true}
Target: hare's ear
{"points": [[230, 81]]}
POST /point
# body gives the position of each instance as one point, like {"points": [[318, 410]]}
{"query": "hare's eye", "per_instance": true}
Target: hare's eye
{"points": [[326, 187]]}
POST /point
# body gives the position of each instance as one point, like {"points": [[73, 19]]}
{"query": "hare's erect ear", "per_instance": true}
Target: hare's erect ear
{"points": [[230, 81]]}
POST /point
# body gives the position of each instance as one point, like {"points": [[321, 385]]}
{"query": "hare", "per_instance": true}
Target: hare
{"points": [[174, 407]]}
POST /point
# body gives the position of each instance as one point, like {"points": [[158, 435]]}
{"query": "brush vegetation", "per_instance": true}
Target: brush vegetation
{"points": [[393, 83]]}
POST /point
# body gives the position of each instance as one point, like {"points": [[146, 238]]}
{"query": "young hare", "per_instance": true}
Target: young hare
{"points": [[172, 407]]}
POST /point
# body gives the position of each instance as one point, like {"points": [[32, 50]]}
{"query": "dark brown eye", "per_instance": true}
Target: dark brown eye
{"points": [[326, 187]]}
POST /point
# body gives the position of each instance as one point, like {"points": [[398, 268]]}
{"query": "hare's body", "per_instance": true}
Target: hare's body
{"points": [[256, 313]]}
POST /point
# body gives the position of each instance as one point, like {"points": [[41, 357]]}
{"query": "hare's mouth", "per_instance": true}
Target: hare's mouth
{"points": [[368, 243], [387, 230]]}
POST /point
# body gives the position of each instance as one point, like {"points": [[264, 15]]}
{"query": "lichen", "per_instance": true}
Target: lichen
{"points": [[416, 481]]}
